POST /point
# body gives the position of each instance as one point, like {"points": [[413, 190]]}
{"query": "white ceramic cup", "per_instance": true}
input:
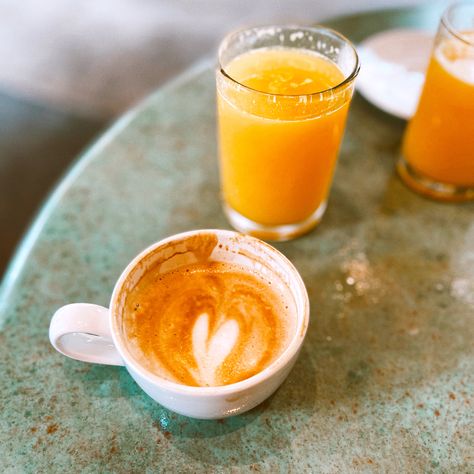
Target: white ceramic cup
{"points": [[92, 333]]}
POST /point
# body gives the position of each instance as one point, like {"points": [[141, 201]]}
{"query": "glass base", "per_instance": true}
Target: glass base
{"points": [[275, 233], [433, 189]]}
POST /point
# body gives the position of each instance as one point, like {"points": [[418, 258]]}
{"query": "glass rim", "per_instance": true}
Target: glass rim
{"points": [[314, 28], [450, 27]]}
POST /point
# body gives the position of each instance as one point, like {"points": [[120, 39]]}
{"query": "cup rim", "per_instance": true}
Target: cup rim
{"points": [[282, 360], [315, 28], [446, 22]]}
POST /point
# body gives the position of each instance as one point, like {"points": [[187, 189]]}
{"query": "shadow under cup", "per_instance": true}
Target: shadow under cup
{"points": [[278, 151], [220, 246]]}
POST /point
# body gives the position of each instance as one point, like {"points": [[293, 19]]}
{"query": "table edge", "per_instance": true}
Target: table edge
{"points": [[30, 236]]}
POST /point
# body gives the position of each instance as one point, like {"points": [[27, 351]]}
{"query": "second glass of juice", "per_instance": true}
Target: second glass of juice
{"points": [[438, 147], [283, 94]]}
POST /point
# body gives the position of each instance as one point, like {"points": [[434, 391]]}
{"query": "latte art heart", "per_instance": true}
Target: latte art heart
{"points": [[206, 324], [210, 351]]}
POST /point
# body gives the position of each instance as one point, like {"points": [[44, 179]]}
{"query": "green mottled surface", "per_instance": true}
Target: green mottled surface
{"points": [[384, 382]]}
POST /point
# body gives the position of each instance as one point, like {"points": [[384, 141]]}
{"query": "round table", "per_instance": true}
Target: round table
{"points": [[384, 382]]}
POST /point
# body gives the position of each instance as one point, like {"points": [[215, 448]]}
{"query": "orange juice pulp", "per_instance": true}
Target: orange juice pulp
{"points": [[439, 141], [278, 153]]}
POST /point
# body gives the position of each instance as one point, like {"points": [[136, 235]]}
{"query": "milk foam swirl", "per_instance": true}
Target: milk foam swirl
{"points": [[206, 324]]}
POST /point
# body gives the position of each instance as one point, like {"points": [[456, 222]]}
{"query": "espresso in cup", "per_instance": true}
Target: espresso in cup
{"points": [[207, 323]]}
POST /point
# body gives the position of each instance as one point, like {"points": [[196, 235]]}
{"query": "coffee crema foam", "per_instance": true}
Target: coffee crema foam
{"points": [[206, 324]]}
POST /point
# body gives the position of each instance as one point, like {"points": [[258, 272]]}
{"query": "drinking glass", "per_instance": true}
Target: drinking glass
{"points": [[278, 151], [438, 147]]}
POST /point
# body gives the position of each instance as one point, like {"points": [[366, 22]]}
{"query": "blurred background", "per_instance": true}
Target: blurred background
{"points": [[68, 68]]}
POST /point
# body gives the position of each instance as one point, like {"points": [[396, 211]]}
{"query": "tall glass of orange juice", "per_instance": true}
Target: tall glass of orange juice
{"points": [[283, 93], [438, 147]]}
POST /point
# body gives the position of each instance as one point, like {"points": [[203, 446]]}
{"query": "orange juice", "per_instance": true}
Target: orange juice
{"points": [[280, 134], [439, 142]]}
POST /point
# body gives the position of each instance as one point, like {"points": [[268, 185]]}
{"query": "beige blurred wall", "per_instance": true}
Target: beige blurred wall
{"points": [[97, 57]]}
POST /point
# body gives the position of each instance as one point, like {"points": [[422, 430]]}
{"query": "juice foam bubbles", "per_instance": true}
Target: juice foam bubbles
{"points": [[458, 58]]}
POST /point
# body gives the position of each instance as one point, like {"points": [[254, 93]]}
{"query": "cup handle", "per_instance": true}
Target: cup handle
{"points": [[82, 331]]}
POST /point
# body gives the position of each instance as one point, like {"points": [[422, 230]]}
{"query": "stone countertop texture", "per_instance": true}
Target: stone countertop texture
{"points": [[384, 382]]}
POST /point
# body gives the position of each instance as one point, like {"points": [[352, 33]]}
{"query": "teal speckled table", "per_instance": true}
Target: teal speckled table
{"points": [[384, 382]]}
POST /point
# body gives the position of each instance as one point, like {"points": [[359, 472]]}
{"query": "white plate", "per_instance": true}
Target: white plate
{"points": [[393, 65]]}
